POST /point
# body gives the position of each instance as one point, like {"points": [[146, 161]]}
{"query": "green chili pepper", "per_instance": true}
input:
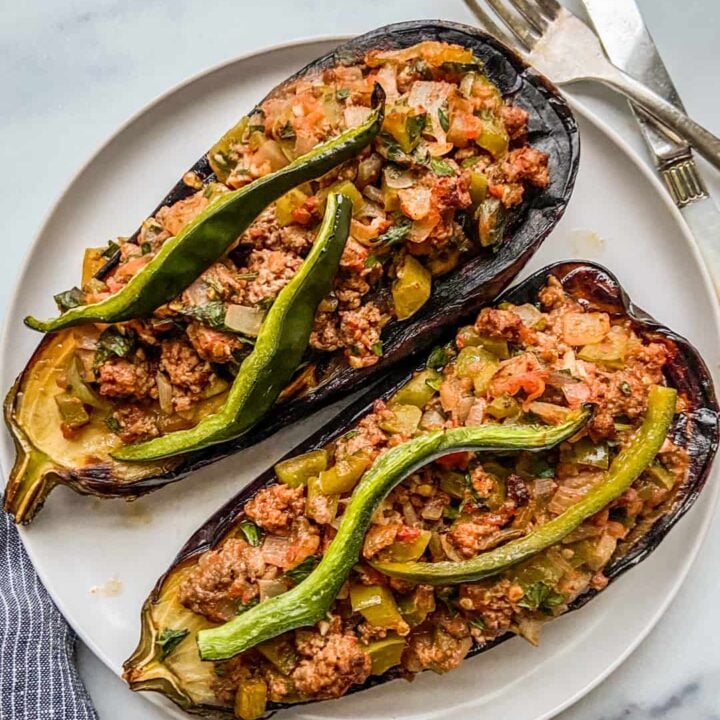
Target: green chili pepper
{"points": [[624, 470], [308, 602], [278, 350], [182, 258]]}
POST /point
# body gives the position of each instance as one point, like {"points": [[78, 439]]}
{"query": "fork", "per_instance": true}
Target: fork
{"points": [[564, 48]]}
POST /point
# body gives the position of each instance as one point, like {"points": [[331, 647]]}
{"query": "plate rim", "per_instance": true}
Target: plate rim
{"points": [[711, 494]]}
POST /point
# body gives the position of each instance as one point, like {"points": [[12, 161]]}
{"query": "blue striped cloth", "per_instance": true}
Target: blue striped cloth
{"points": [[38, 677]]}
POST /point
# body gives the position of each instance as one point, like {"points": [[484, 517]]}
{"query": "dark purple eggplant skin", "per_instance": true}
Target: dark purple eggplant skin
{"points": [[552, 129], [697, 429]]}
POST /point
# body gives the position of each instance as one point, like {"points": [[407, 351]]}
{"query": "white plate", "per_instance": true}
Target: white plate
{"points": [[619, 216]]}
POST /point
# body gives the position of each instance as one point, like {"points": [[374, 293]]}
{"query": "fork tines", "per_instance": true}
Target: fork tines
{"points": [[527, 20]]}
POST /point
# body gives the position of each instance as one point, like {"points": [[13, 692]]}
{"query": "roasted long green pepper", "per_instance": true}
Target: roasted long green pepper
{"points": [[624, 470], [182, 258], [308, 602], [279, 348]]}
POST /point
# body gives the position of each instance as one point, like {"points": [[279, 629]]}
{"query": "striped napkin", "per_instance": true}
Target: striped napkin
{"points": [[38, 677]]}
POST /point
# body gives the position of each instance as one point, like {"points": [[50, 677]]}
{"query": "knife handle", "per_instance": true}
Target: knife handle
{"points": [[703, 217], [707, 144]]}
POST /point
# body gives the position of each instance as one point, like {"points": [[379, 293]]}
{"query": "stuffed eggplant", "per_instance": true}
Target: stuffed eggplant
{"points": [[452, 191], [607, 424]]}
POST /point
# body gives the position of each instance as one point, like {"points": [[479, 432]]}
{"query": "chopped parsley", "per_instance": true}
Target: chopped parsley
{"points": [[397, 233], [146, 248], [377, 348], [439, 357], [287, 131], [441, 167], [414, 125], [434, 383], [478, 623], [211, 314], [253, 534], [540, 596], [69, 299], [113, 342], [443, 118], [625, 388], [113, 423], [301, 571], [169, 639], [111, 249], [342, 93]]}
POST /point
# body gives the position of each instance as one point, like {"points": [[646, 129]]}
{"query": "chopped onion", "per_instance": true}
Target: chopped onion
{"points": [[197, 293], [544, 487], [275, 550], [368, 171], [87, 338], [604, 549], [432, 419], [415, 202], [271, 588], [529, 628], [449, 549], [356, 115], [371, 210], [387, 77], [409, 514], [374, 194], [477, 413], [165, 393], [576, 393], [272, 152], [396, 178], [549, 412], [529, 314], [244, 319], [430, 96]]}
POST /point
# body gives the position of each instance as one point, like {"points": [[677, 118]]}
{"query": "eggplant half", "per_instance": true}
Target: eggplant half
{"points": [[179, 673], [46, 458]]}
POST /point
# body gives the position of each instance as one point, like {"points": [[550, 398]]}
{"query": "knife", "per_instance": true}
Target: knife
{"points": [[629, 45]]}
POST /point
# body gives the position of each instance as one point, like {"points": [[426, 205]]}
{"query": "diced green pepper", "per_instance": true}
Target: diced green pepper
{"points": [[385, 654], [406, 551], [610, 353], [478, 187], [219, 154], [468, 336], [251, 699], [404, 419], [416, 607], [376, 604], [419, 390], [296, 471], [286, 206], [344, 475], [493, 138], [586, 452], [661, 476], [454, 484], [280, 652], [490, 218], [412, 287], [72, 410], [503, 407]]}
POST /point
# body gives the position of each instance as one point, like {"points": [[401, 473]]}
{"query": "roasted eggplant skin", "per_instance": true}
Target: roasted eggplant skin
{"points": [[552, 129], [696, 428]]}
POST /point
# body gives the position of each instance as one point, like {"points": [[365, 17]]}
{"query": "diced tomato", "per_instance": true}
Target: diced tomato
{"points": [[408, 534], [455, 461], [522, 372]]}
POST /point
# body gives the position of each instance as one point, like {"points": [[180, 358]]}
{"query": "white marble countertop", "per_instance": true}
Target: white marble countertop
{"points": [[73, 70]]}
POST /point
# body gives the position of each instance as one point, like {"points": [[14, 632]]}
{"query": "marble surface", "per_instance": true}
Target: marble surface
{"points": [[74, 70]]}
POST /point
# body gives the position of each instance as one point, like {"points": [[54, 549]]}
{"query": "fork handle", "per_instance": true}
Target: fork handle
{"points": [[707, 144]]}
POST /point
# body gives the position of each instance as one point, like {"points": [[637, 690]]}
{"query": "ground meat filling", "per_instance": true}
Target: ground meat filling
{"points": [[330, 666], [514, 364], [451, 152]]}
